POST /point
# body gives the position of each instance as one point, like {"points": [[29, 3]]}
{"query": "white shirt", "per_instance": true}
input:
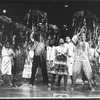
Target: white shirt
{"points": [[61, 49], [70, 47]]}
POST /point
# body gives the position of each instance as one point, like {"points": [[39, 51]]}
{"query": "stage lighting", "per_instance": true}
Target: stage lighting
{"points": [[66, 6], [4, 11]]}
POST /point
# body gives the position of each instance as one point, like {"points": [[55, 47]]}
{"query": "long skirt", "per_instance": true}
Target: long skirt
{"points": [[6, 67], [27, 70]]}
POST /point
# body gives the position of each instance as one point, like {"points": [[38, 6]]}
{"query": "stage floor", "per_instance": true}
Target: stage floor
{"points": [[25, 91]]}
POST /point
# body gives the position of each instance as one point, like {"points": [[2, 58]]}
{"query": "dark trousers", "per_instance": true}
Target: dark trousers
{"points": [[14, 67], [39, 61], [59, 78]]}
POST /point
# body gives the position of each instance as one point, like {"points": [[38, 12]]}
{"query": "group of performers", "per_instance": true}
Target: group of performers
{"points": [[69, 58], [74, 57]]}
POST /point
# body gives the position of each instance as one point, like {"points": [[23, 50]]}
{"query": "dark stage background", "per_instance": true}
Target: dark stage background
{"points": [[57, 12]]}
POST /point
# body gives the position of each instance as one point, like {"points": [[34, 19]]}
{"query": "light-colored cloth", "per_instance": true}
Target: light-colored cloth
{"points": [[85, 65], [6, 66], [31, 53], [82, 60], [51, 53], [70, 65], [49, 49], [71, 49], [66, 45], [70, 59], [61, 49], [50, 56], [81, 55], [75, 38], [28, 65]]}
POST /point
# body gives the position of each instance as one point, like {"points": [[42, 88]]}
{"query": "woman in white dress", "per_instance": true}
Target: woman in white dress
{"points": [[28, 64], [7, 61]]}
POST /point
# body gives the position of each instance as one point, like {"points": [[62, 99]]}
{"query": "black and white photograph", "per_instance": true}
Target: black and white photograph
{"points": [[49, 49]]}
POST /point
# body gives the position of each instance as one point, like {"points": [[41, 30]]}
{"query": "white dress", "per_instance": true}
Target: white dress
{"points": [[50, 56], [28, 65], [6, 61]]}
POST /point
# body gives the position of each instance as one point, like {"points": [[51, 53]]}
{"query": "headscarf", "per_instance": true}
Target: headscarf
{"points": [[74, 39]]}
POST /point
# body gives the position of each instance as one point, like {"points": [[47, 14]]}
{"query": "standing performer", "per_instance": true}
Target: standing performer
{"points": [[14, 67], [70, 58], [98, 50], [60, 63], [81, 60], [94, 62], [50, 54], [28, 65], [7, 57], [39, 60]]}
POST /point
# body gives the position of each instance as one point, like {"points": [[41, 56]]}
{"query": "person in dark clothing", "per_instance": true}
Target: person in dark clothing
{"points": [[14, 69], [39, 60]]}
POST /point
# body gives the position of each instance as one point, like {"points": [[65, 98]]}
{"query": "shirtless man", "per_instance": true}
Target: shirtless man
{"points": [[39, 60]]}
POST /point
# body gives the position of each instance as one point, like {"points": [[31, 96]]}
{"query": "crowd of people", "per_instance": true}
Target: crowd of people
{"points": [[69, 58]]}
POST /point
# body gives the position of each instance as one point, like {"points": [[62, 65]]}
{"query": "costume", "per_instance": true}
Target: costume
{"points": [[50, 56], [39, 60], [82, 63], [94, 61], [60, 62], [70, 58], [6, 67], [28, 65]]}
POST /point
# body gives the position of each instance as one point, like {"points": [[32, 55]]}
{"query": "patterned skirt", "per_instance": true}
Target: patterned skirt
{"points": [[58, 67]]}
